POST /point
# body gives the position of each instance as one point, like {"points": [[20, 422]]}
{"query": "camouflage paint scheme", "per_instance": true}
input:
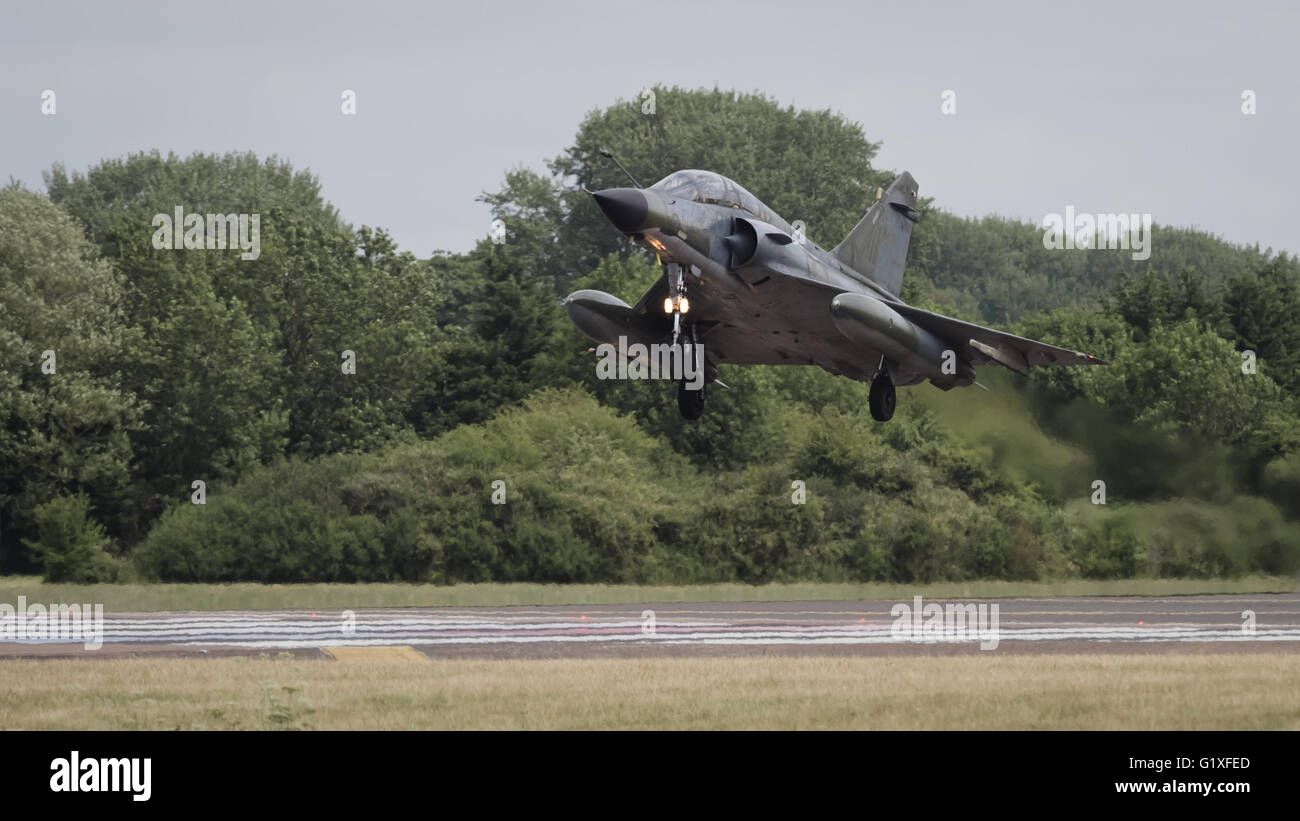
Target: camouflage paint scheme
{"points": [[760, 293]]}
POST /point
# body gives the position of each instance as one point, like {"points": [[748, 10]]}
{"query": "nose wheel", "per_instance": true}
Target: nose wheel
{"points": [[690, 402], [882, 397]]}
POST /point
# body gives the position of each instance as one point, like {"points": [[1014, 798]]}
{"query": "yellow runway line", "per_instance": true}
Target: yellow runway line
{"points": [[394, 653]]}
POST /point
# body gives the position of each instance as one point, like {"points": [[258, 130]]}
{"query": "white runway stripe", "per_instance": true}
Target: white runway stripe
{"points": [[766, 638], [290, 631]]}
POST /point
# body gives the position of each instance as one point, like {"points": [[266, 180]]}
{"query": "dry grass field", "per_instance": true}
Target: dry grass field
{"points": [[1181, 692]]}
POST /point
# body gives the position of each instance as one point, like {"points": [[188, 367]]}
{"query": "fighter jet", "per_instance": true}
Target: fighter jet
{"points": [[749, 289]]}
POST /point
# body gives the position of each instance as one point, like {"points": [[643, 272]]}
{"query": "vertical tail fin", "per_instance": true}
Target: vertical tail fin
{"points": [[877, 246]]}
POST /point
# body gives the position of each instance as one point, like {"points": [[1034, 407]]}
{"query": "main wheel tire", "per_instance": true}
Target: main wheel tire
{"points": [[882, 398], [690, 402]]}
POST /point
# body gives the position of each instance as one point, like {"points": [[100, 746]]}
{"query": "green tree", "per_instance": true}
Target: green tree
{"points": [[66, 420], [70, 546], [1260, 314], [502, 351], [1190, 377], [241, 360]]}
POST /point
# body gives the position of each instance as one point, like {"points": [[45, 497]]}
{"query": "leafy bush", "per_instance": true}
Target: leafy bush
{"points": [[70, 546], [591, 497]]}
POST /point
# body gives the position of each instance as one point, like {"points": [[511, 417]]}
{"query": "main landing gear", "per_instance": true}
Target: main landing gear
{"points": [[882, 397]]}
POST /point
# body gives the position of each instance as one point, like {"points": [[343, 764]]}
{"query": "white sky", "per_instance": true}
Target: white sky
{"points": [[1129, 107]]}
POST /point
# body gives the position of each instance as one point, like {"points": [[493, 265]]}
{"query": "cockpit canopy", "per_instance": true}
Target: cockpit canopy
{"points": [[708, 187]]}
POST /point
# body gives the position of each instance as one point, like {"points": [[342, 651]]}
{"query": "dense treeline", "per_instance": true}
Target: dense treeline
{"points": [[171, 367], [590, 496]]}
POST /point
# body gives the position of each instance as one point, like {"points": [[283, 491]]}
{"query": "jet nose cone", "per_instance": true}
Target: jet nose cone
{"points": [[626, 208]]}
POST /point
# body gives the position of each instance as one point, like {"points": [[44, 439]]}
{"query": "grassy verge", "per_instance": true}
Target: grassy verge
{"points": [[143, 597], [1165, 692]]}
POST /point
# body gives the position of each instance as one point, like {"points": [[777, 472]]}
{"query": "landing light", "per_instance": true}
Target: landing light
{"points": [[682, 303]]}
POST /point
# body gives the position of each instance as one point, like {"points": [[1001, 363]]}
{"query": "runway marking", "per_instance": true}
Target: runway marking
{"points": [[671, 610], [271, 631], [364, 653], [395, 632]]}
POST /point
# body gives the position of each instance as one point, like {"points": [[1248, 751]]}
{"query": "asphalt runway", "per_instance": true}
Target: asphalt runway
{"points": [[1179, 624]]}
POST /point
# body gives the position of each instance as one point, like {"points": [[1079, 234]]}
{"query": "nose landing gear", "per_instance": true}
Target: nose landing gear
{"points": [[690, 401], [882, 397]]}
